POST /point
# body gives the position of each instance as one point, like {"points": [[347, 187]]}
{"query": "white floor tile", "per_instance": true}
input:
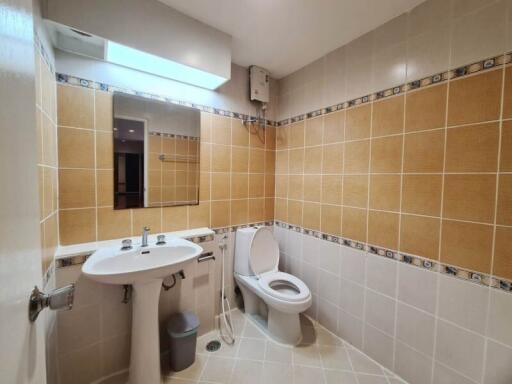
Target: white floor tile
{"points": [[322, 358]]}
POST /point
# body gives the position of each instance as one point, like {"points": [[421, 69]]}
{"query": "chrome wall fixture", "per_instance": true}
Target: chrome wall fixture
{"points": [[58, 299]]}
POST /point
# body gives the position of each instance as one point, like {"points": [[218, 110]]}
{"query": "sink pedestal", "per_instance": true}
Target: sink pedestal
{"points": [[145, 347]]}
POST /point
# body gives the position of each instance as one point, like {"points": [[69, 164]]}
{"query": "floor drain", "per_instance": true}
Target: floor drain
{"points": [[213, 346]]}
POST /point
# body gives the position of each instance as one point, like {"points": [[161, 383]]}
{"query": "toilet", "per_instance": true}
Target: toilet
{"points": [[268, 294]]}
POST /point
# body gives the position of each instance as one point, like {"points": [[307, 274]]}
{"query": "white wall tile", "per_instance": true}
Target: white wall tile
{"points": [[378, 346], [498, 363], [415, 328], [428, 16], [359, 66], [463, 303], [417, 287], [463, 7], [352, 298], [115, 354], [381, 274], [353, 264], [313, 95], [329, 257], [500, 317], [389, 53], [310, 277], [328, 315], [350, 328], [329, 286], [380, 312], [78, 328], [313, 310], [82, 366], [469, 43], [428, 53], [509, 28], [280, 234], [390, 33], [294, 244], [411, 365], [460, 349], [294, 267], [334, 77], [445, 375], [310, 246]]}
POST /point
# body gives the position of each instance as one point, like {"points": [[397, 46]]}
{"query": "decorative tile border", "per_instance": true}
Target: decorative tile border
{"points": [[174, 136], [80, 258], [417, 261], [77, 81], [465, 70], [235, 227]]}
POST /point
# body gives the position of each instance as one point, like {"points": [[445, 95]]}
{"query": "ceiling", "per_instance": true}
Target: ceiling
{"points": [[285, 35]]}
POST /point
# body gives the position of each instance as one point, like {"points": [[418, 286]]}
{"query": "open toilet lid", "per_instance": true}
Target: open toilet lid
{"points": [[264, 256]]}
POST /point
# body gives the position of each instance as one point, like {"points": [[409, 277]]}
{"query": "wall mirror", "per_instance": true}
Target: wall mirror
{"points": [[156, 153]]}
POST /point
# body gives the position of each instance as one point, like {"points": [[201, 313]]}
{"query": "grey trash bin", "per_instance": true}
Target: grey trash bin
{"points": [[182, 331]]}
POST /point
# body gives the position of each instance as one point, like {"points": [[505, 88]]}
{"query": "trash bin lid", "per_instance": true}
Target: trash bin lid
{"points": [[182, 324]]}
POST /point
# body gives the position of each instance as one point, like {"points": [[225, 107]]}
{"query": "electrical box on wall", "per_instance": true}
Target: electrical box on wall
{"points": [[259, 81]]}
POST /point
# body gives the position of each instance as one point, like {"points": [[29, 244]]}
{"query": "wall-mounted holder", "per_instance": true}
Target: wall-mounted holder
{"points": [[205, 257], [58, 299]]}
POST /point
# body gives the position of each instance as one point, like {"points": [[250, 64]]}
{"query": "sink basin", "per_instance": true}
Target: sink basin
{"points": [[113, 266], [144, 268]]}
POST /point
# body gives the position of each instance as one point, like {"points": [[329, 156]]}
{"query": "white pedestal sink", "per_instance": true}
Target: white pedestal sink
{"points": [[144, 268]]}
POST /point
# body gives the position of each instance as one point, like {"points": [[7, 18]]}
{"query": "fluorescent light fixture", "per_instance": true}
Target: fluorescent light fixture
{"points": [[146, 62], [131, 130]]}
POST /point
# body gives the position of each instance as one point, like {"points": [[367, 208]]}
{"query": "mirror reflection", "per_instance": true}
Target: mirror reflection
{"points": [[156, 153]]}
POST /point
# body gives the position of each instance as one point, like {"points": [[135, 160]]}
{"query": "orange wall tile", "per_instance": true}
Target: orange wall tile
{"points": [[237, 166], [415, 173]]}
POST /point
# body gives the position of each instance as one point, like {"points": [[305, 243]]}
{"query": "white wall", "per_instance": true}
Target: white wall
{"points": [[22, 343], [94, 338], [160, 117], [232, 96], [427, 327], [435, 36], [167, 32]]}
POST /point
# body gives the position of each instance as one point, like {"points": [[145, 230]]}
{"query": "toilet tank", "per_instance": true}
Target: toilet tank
{"points": [[243, 250]]}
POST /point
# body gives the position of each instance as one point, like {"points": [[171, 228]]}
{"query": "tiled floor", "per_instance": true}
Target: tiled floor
{"points": [[322, 358]]}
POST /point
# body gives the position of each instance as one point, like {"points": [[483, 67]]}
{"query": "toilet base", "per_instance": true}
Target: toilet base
{"points": [[285, 327], [282, 327]]}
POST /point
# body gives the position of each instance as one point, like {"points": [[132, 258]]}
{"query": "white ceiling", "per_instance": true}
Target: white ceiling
{"points": [[285, 35]]}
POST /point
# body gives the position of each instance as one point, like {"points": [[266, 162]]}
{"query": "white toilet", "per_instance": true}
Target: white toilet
{"points": [[275, 296]]}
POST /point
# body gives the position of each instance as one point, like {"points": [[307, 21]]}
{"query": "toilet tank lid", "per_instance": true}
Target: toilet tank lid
{"points": [[264, 256]]}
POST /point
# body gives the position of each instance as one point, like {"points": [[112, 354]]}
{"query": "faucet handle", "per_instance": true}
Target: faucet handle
{"points": [[126, 244], [160, 240]]}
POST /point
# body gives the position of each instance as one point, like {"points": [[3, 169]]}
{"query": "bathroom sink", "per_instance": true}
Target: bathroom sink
{"points": [[111, 265], [144, 268]]}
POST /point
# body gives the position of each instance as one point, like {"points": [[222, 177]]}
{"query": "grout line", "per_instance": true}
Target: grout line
{"points": [[493, 250], [95, 138], [363, 341], [443, 177], [395, 299]]}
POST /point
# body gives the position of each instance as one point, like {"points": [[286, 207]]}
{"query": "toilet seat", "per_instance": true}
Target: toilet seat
{"points": [[268, 282]]}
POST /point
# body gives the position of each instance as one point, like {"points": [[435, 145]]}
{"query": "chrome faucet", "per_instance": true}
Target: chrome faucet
{"points": [[145, 234]]}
